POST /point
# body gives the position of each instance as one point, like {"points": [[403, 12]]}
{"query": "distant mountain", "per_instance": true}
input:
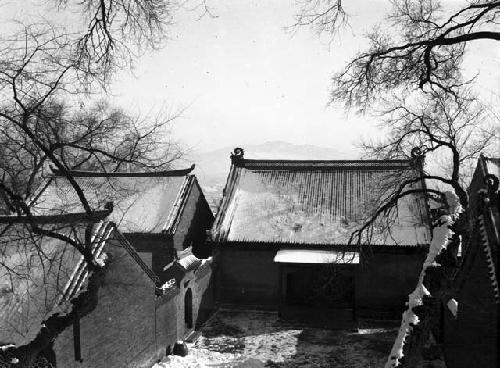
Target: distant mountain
{"points": [[212, 167]]}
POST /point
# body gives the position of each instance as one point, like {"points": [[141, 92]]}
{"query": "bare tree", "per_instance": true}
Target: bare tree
{"points": [[116, 31], [421, 44], [44, 124], [36, 260], [448, 132], [323, 16], [413, 67]]}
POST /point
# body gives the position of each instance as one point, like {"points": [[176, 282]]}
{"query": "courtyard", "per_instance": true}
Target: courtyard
{"points": [[249, 339]]}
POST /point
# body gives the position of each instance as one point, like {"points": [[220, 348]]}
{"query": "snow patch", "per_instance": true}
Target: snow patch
{"points": [[251, 339], [202, 358], [281, 209], [208, 260], [168, 285], [440, 238], [453, 306], [454, 205], [312, 256], [101, 260]]}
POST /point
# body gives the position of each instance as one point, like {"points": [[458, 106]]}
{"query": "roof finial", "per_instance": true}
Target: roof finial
{"points": [[492, 183], [490, 195], [418, 151], [418, 156], [237, 154]]}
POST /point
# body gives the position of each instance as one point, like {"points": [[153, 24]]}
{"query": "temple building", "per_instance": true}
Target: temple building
{"points": [[148, 229], [164, 214], [282, 237]]}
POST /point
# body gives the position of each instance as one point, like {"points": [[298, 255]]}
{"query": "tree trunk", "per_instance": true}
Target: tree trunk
{"points": [[83, 304]]}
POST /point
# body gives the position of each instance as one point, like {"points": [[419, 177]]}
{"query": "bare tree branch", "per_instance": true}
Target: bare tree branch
{"points": [[421, 46]]}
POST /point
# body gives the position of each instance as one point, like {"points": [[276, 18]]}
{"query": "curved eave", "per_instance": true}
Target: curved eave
{"points": [[165, 173], [179, 205], [227, 194]]}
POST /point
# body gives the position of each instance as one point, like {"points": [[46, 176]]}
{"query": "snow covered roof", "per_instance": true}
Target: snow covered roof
{"points": [[142, 202], [40, 275], [492, 165], [321, 202], [37, 274], [190, 262]]}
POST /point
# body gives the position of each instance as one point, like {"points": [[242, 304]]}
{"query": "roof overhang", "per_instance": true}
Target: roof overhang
{"points": [[315, 256], [66, 218], [128, 174]]}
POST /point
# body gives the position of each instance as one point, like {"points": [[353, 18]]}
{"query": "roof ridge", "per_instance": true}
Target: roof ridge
{"points": [[179, 204], [80, 273], [72, 217], [227, 193], [328, 161], [137, 258], [323, 164], [163, 173]]}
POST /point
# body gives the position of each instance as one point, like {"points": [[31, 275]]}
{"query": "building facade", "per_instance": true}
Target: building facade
{"points": [[158, 284], [281, 238]]}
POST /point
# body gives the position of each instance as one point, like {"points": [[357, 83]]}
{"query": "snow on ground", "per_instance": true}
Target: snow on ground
{"points": [[256, 340]]}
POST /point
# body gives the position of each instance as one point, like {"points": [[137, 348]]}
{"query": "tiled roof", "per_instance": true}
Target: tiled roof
{"points": [[318, 202], [38, 273], [179, 204], [79, 276], [142, 202], [190, 262], [492, 165]]}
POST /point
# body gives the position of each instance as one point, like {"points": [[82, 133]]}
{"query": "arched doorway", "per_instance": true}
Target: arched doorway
{"points": [[188, 309]]}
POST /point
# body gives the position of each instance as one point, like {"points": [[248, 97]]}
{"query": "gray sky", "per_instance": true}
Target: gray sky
{"points": [[245, 80]]}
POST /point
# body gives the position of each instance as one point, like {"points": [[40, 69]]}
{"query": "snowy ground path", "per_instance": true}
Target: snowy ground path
{"points": [[256, 340]]}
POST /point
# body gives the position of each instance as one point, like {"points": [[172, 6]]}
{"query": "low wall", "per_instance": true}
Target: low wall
{"points": [[470, 339], [383, 281], [120, 331], [166, 321], [200, 284], [204, 295]]}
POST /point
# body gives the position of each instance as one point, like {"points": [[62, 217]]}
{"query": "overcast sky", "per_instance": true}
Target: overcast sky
{"points": [[246, 80]]}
